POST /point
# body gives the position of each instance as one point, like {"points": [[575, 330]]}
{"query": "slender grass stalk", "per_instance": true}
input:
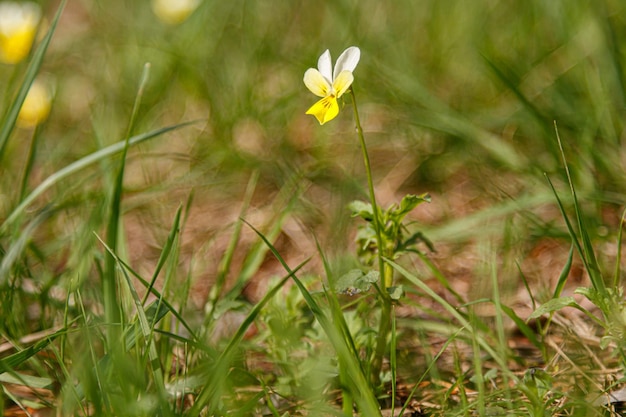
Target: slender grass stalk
{"points": [[393, 359], [167, 249], [347, 402], [227, 258], [147, 330], [386, 272], [76, 166], [109, 283], [30, 159], [616, 276], [587, 253], [477, 361]]}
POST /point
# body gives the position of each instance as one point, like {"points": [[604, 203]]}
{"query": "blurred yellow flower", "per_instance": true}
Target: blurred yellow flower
{"points": [[36, 106], [329, 84], [174, 11], [18, 26]]}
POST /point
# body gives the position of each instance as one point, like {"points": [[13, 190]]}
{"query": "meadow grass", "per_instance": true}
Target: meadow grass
{"points": [[179, 238]]}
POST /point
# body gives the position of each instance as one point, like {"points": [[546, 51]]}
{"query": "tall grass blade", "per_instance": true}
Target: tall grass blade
{"points": [[161, 306], [112, 310], [560, 284], [167, 248], [30, 160], [82, 164], [591, 263], [441, 117], [10, 362], [227, 258], [14, 252], [616, 277], [505, 78], [393, 358], [146, 327], [284, 202]]}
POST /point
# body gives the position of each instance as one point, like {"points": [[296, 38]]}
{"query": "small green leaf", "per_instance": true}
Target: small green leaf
{"points": [[396, 292], [362, 209], [590, 293], [410, 201], [371, 277], [553, 305], [355, 282], [521, 325]]}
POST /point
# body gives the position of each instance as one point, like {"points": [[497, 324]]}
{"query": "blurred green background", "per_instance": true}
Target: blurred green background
{"points": [[457, 98]]}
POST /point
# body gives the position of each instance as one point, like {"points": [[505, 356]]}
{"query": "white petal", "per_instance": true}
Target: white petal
{"points": [[325, 66], [347, 61], [316, 83]]}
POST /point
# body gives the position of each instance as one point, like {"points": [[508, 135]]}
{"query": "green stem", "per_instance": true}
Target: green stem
{"points": [[368, 170], [384, 328], [29, 162], [386, 274]]}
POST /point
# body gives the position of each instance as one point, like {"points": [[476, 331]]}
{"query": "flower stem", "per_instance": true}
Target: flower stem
{"points": [[376, 220], [385, 273]]}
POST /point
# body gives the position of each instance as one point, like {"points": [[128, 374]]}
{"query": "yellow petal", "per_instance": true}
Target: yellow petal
{"points": [[343, 82], [325, 110], [174, 12], [14, 48], [316, 83], [36, 106], [18, 26]]}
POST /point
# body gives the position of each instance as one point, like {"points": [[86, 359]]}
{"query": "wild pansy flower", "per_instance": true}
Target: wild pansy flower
{"points": [[18, 26], [329, 84], [36, 106], [174, 12]]}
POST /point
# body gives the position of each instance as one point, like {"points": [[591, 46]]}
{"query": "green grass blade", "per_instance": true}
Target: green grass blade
{"points": [[598, 284], [29, 162], [8, 123], [506, 78], [227, 258], [440, 276], [12, 361], [82, 164], [255, 257], [441, 117], [167, 248], [616, 277], [146, 327], [431, 365], [14, 252], [393, 358], [112, 311], [161, 306], [560, 284], [591, 262], [522, 326]]}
